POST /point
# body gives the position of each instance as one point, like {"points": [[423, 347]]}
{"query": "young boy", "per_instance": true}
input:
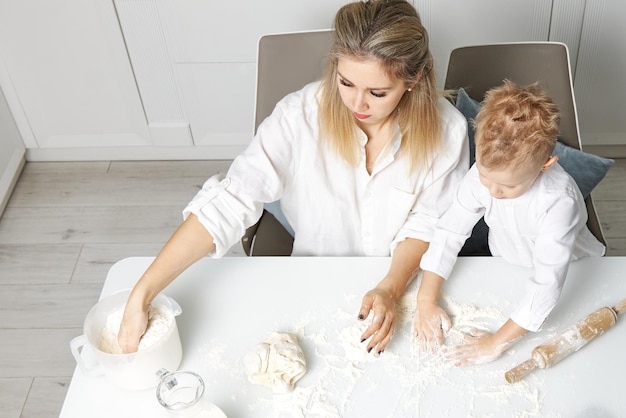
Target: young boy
{"points": [[535, 213]]}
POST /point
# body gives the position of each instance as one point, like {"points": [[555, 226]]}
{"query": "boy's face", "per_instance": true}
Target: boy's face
{"points": [[508, 183]]}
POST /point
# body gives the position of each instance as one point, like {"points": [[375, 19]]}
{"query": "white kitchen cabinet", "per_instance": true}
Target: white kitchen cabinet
{"points": [[68, 79], [208, 66], [600, 82], [171, 79], [212, 51], [593, 30], [452, 24]]}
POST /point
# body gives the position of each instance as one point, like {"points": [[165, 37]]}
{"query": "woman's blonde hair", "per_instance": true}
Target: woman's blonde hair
{"points": [[389, 32], [516, 126]]}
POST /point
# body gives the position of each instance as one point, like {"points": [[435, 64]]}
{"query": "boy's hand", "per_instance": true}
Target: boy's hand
{"points": [[483, 347], [478, 347], [429, 324], [381, 303]]}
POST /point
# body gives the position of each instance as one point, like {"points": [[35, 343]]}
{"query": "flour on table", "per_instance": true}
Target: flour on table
{"points": [[341, 373], [158, 325], [278, 362]]}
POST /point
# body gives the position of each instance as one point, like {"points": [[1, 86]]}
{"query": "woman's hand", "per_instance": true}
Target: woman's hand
{"points": [[190, 242], [429, 324], [381, 300], [132, 328], [381, 303]]}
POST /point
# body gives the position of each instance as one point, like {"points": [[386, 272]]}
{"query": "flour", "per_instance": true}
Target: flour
{"points": [[158, 325], [345, 374]]}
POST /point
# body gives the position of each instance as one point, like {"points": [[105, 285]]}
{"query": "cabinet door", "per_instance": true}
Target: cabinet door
{"points": [[66, 62], [209, 64], [599, 85], [452, 24], [212, 50]]}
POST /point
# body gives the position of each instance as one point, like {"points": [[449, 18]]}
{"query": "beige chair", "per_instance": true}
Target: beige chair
{"points": [[288, 61], [479, 68], [285, 63]]}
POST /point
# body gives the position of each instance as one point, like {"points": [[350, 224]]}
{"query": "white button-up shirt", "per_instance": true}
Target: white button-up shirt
{"points": [[545, 228], [334, 208]]}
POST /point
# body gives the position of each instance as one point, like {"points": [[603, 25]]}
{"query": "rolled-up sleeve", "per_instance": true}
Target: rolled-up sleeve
{"points": [[227, 206], [223, 214]]}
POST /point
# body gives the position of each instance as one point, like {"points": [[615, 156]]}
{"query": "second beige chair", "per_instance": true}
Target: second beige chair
{"points": [[479, 68], [286, 62]]}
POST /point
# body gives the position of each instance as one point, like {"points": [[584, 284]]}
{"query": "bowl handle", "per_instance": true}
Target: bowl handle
{"points": [[173, 306], [77, 345]]}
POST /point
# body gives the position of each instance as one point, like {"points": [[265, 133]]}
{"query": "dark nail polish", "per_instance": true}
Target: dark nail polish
{"points": [[369, 350], [361, 316], [363, 340], [381, 351]]}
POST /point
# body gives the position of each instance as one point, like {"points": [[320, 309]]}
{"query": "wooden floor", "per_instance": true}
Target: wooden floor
{"points": [[66, 224]]}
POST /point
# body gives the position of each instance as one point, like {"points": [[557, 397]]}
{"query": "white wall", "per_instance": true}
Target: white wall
{"points": [[171, 79]]}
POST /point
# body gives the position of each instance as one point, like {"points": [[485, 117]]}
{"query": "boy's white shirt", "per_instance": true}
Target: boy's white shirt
{"points": [[544, 228]]}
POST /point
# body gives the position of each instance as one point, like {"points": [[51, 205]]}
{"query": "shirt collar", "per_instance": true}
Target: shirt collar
{"points": [[396, 140]]}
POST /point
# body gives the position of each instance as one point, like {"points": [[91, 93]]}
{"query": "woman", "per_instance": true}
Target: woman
{"points": [[363, 162]]}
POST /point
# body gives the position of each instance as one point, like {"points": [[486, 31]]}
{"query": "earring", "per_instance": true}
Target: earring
{"points": [[409, 89]]}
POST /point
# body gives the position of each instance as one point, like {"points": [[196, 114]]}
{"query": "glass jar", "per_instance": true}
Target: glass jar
{"points": [[181, 393]]}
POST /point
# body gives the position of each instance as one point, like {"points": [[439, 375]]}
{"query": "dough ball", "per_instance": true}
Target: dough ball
{"points": [[277, 363]]}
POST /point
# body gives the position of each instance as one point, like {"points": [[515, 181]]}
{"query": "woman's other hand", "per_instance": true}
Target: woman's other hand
{"points": [[380, 304]]}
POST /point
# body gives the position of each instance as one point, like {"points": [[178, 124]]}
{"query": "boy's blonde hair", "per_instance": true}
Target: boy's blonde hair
{"points": [[516, 126], [391, 33]]}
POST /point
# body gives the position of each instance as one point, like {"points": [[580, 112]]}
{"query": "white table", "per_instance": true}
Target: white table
{"points": [[230, 305]]}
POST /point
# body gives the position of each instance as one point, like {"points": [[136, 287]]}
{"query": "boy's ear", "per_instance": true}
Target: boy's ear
{"points": [[549, 163]]}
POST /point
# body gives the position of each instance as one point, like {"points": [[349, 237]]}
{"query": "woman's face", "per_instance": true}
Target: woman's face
{"points": [[367, 90]]}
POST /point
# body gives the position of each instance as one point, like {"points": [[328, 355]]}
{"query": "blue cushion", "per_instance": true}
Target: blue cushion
{"points": [[469, 108], [586, 169]]}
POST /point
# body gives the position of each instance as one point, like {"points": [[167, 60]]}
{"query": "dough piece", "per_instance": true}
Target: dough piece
{"points": [[277, 363]]}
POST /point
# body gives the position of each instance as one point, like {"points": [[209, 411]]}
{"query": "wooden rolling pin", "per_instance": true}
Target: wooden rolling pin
{"points": [[570, 340]]}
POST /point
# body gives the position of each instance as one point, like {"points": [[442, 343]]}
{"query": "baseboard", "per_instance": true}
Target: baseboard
{"points": [[134, 153], [607, 151]]}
